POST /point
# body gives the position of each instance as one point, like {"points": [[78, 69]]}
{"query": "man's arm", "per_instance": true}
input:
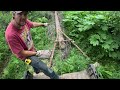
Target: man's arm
{"points": [[27, 53], [36, 24]]}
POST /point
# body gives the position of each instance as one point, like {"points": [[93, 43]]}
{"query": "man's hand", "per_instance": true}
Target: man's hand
{"points": [[36, 24], [44, 54], [46, 24]]}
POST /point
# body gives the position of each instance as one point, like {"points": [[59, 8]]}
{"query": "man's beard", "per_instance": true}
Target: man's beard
{"points": [[21, 23]]}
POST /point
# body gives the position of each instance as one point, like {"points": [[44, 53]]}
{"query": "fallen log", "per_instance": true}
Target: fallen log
{"points": [[85, 74], [75, 75], [59, 34]]}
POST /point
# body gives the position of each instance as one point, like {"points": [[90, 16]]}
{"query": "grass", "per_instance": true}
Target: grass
{"points": [[75, 62], [14, 70]]}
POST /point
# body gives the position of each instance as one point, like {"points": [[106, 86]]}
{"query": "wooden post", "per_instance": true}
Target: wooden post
{"points": [[55, 43]]}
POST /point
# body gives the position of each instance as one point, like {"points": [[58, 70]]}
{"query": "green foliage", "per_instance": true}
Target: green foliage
{"points": [[73, 63], [14, 70], [97, 28], [40, 16], [109, 70], [3, 50], [43, 20], [5, 18], [94, 39], [40, 38], [39, 34], [104, 74]]}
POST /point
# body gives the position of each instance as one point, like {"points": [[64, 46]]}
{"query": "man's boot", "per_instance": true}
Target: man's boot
{"points": [[54, 75], [28, 75]]}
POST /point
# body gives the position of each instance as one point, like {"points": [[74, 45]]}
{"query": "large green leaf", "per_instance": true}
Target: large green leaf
{"points": [[106, 46], [113, 54], [102, 35], [94, 40], [104, 28], [100, 17]]}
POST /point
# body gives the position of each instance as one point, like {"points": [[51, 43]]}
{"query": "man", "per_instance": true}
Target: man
{"points": [[20, 42]]}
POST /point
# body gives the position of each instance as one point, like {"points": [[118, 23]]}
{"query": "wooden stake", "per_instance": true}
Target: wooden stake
{"points": [[52, 54], [74, 44]]}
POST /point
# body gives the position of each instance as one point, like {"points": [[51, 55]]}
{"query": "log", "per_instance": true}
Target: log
{"points": [[59, 34], [75, 75]]}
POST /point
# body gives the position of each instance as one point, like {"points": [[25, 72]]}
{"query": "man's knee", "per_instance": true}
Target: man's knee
{"points": [[37, 64]]}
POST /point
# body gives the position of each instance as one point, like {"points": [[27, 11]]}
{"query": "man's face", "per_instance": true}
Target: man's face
{"points": [[20, 18]]}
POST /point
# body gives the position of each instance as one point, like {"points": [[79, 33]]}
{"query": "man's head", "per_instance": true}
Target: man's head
{"points": [[20, 17]]}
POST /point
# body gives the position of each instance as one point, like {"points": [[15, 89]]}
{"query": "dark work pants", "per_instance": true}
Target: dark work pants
{"points": [[38, 66]]}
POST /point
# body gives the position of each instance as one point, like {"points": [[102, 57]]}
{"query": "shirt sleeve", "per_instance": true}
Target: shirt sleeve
{"points": [[15, 46], [30, 24]]}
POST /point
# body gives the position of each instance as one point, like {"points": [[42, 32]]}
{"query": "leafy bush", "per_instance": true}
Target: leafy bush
{"points": [[14, 70], [109, 70], [5, 17], [73, 63], [40, 38], [97, 32]]}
